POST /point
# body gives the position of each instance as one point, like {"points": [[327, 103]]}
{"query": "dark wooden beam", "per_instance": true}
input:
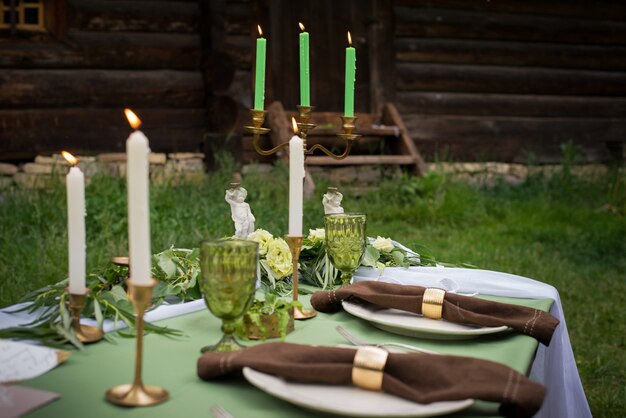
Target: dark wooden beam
{"points": [[442, 23], [381, 55], [478, 104], [100, 88], [237, 18], [124, 50], [56, 19], [26, 133], [492, 79], [407, 147], [135, 16], [523, 54], [513, 139], [600, 10]]}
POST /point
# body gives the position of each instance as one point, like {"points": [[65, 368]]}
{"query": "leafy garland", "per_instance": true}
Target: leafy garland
{"points": [[177, 271]]}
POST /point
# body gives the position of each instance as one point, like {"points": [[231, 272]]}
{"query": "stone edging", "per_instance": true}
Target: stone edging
{"points": [[46, 170], [189, 167]]}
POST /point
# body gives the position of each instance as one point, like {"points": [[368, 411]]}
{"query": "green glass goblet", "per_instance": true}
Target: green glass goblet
{"points": [[345, 242], [228, 282]]}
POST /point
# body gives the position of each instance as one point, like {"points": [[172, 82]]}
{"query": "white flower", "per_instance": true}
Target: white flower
{"points": [[263, 238], [279, 258], [383, 244], [316, 235]]}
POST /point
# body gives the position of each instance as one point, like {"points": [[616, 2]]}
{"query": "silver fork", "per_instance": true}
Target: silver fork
{"points": [[354, 340], [219, 412]]}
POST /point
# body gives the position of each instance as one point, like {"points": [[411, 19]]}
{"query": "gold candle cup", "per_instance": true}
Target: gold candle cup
{"points": [[295, 246], [86, 334]]}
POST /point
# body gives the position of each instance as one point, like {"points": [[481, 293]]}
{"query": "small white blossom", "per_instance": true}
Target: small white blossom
{"points": [[279, 258], [316, 235], [383, 244], [263, 238]]}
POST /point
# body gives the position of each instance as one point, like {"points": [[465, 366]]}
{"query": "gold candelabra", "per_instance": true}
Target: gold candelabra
{"points": [[138, 394], [85, 333], [304, 126]]}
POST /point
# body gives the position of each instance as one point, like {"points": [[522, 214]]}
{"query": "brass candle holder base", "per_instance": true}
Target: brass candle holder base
{"points": [[121, 261], [295, 246], [86, 334], [302, 314], [138, 394]]}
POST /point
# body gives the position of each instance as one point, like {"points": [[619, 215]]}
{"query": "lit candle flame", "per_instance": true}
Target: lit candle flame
{"points": [[260, 31], [301, 26], [295, 125], [134, 121], [69, 158], [349, 38]]}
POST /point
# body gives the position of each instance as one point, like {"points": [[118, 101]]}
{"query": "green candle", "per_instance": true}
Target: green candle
{"points": [[259, 79], [350, 78], [305, 82]]}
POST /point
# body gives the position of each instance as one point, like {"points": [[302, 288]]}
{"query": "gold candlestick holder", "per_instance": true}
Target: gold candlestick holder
{"points": [[295, 246], [121, 261], [304, 126], [138, 394], [86, 334]]}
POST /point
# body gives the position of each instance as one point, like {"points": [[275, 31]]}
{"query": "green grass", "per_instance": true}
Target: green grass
{"points": [[568, 232]]}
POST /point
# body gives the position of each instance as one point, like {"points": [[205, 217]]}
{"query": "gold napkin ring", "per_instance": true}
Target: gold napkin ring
{"points": [[432, 303], [367, 368]]}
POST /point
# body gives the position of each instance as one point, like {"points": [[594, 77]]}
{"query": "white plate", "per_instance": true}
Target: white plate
{"points": [[413, 325], [348, 400]]}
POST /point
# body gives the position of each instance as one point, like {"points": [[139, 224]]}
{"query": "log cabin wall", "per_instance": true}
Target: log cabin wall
{"points": [[512, 80], [234, 33], [474, 80], [66, 88]]}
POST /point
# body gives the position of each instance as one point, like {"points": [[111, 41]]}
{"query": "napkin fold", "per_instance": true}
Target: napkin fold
{"points": [[456, 308], [422, 378]]}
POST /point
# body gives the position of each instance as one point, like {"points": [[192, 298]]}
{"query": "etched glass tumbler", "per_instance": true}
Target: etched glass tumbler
{"points": [[229, 268], [345, 242]]}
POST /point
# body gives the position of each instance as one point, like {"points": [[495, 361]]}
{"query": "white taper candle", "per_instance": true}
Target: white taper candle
{"points": [[137, 152], [75, 182], [296, 182]]}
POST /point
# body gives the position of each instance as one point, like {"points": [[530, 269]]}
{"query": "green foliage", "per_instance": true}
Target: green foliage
{"points": [[177, 272], [268, 303], [568, 233]]}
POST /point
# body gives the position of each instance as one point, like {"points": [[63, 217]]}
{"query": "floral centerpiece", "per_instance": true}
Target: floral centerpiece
{"points": [[177, 271], [315, 266]]}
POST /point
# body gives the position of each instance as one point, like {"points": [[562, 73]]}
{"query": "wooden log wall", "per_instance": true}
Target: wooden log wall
{"points": [[67, 89], [509, 80], [234, 35]]}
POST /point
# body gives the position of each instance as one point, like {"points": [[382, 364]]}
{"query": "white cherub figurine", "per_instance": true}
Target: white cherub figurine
{"points": [[240, 211], [332, 201]]}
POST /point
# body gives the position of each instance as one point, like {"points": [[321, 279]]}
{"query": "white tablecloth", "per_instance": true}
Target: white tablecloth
{"points": [[10, 318], [554, 366]]}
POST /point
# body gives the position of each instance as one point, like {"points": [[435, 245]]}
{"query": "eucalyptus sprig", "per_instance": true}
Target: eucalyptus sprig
{"points": [[315, 265], [175, 269]]}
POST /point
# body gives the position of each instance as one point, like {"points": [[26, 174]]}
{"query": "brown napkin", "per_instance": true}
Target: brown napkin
{"points": [[456, 308], [422, 378]]}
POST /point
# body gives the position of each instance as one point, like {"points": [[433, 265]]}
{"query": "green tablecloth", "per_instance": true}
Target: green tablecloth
{"points": [[171, 363]]}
